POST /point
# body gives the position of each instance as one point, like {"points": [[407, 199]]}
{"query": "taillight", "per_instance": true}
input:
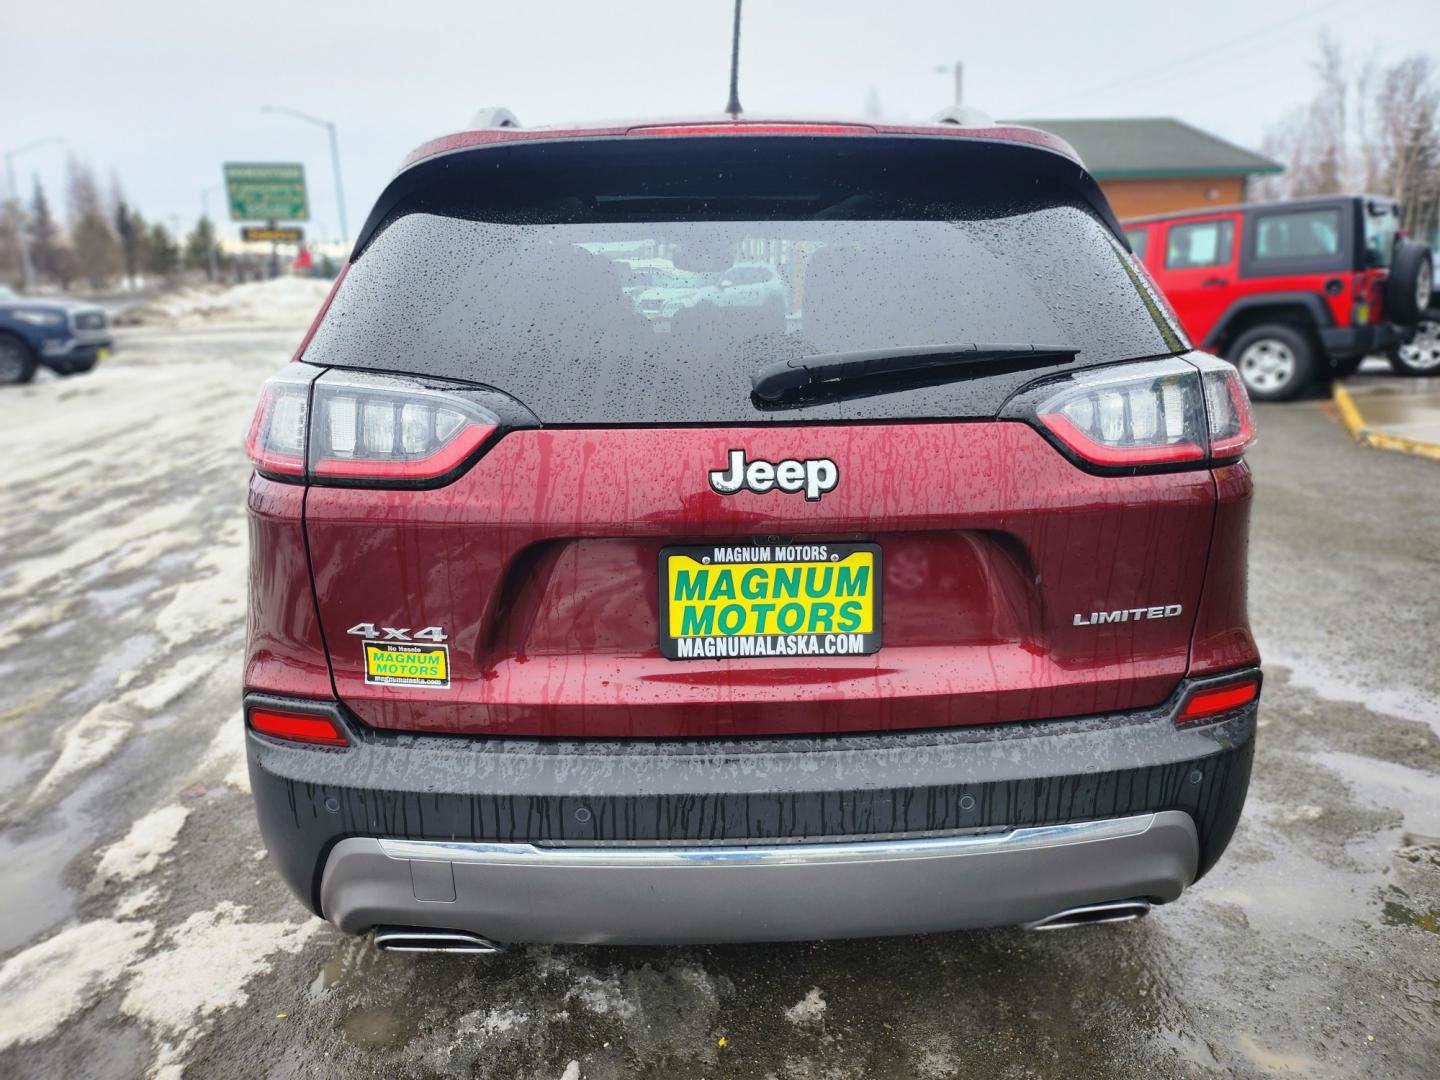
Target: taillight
{"points": [[317, 729], [1227, 409], [357, 429], [385, 430], [1153, 414], [276, 441], [1211, 703]]}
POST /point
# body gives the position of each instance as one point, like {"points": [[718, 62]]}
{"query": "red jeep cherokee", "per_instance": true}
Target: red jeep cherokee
{"points": [[913, 602], [1289, 291]]}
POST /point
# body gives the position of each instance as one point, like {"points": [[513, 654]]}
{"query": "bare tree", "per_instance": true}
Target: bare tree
{"points": [[1374, 129], [1407, 121]]}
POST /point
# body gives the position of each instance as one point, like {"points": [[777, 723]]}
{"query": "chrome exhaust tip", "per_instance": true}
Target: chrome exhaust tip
{"points": [[1116, 911], [424, 939]]}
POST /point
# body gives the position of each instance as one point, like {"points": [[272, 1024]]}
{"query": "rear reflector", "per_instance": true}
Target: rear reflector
{"points": [[297, 727], [1204, 704]]}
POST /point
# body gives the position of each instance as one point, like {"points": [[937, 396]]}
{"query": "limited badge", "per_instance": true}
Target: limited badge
{"points": [[393, 663]]}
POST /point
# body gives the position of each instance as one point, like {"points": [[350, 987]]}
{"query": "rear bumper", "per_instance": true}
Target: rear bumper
{"points": [[660, 895], [650, 841], [1343, 342]]}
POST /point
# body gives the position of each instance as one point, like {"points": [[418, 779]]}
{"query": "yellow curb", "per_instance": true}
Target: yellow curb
{"points": [[1355, 425]]}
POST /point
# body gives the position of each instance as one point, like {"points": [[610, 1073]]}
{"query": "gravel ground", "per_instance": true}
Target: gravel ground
{"points": [[145, 934]]}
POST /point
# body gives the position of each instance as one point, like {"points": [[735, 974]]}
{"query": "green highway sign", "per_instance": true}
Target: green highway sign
{"points": [[266, 191]]}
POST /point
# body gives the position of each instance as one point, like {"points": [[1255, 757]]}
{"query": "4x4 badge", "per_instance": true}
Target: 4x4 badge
{"points": [[814, 476]]}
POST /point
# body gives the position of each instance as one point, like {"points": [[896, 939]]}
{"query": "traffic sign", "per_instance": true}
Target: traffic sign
{"points": [[266, 191], [272, 234]]}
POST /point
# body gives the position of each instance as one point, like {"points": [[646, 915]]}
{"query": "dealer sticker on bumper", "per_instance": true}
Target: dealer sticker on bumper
{"points": [[389, 663], [760, 600]]}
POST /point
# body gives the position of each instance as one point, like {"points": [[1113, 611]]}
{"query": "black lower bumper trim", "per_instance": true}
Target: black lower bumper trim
{"points": [[755, 791]]}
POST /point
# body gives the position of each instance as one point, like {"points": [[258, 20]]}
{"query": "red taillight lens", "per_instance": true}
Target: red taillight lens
{"points": [[1227, 407], [297, 727], [1209, 703], [276, 440], [351, 428], [1134, 414]]}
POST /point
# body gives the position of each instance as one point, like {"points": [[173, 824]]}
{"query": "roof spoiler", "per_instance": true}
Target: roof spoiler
{"points": [[494, 116]]}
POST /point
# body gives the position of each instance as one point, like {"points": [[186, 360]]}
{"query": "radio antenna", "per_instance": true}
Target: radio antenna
{"points": [[733, 108]]}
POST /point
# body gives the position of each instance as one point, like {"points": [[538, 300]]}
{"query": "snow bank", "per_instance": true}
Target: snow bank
{"points": [[279, 300]]}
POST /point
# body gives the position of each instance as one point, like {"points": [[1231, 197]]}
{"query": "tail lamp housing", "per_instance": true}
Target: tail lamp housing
{"points": [[357, 429], [1150, 416]]}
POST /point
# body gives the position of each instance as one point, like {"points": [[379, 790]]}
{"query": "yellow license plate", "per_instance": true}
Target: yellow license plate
{"points": [[761, 600], [102, 354]]}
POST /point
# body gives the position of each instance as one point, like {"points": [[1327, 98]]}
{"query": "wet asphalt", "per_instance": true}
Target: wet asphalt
{"points": [[143, 933]]}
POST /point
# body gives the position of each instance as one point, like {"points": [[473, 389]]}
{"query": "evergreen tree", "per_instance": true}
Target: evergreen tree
{"points": [[96, 249], [162, 254], [45, 241], [198, 246], [130, 228]]}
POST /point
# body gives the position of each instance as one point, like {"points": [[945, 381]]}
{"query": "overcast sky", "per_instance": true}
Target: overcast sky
{"points": [[163, 92]]}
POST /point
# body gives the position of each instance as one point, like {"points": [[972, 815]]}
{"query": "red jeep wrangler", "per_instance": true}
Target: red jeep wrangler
{"points": [[1289, 292]]}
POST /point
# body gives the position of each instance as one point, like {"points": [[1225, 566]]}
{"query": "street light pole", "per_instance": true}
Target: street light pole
{"points": [[27, 270], [329, 126], [959, 68]]}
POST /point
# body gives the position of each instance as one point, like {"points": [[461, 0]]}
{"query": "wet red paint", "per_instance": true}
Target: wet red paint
{"points": [[284, 653], [541, 566]]}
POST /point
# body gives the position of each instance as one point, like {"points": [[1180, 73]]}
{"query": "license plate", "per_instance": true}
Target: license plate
{"points": [[762, 600], [102, 354]]}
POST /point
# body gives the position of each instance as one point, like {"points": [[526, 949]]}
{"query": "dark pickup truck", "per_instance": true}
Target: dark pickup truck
{"points": [[63, 335]]}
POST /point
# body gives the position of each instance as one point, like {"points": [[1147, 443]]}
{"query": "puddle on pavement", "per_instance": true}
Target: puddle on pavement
{"points": [[33, 893], [1397, 914], [1330, 684], [1410, 409], [379, 1027]]}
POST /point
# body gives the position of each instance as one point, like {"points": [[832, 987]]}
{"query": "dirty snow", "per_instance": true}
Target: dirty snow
{"points": [[89, 741], [808, 1011], [180, 677], [225, 756], [147, 842], [47, 983], [203, 966], [280, 300]]}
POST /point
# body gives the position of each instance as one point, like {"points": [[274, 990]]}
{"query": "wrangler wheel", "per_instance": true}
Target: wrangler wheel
{"points": [[1275, 362], [1421, 354]]}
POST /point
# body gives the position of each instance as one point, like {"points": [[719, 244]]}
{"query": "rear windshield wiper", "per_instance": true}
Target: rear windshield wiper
{"points": [[820, 376]]}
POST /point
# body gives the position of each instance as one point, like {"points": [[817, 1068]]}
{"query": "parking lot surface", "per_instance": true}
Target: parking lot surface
{"points": [[145, 934]]}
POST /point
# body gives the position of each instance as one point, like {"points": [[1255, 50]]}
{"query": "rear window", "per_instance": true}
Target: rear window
{"points": [[646, 282], [1304, 234], [1202, 243]]}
